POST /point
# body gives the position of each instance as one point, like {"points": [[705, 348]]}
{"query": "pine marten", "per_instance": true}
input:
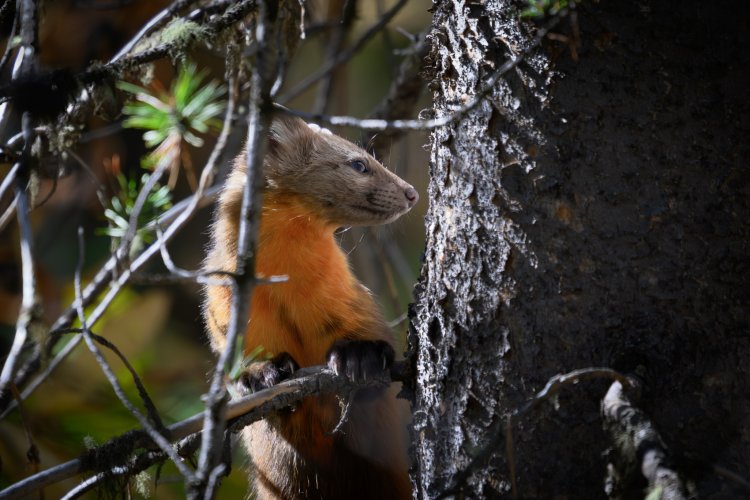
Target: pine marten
{"points": [[315, 182]]}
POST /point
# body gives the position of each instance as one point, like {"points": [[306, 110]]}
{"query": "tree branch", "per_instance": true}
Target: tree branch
{"points": [[344, 56], [149, 426], [156, 22], [258, 120], [216, 25], [177, 217], [239, 413], [500, 431], [29, 32], [454, 116], [336, 41], [638, 445]]}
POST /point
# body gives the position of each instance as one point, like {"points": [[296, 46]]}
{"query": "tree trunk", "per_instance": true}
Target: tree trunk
{"points": [[593, 211]]}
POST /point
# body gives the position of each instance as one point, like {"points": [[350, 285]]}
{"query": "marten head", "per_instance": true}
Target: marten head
{"points": [[337, 180]]}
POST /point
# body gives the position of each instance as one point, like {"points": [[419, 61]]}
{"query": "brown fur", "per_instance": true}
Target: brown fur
{"points": [[311, 189]]}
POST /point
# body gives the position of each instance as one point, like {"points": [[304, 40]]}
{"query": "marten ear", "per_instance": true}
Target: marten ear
{"points": [[289, 136]]}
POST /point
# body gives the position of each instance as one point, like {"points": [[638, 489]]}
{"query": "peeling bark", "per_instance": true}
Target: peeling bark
{"points": [[463, 340]]}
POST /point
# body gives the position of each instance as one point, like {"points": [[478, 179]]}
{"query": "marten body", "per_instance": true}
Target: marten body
{"points": [[315, 182]]}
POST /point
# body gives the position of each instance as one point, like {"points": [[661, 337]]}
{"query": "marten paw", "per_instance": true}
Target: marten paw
{"points": [[360, 360], [264, 374]]}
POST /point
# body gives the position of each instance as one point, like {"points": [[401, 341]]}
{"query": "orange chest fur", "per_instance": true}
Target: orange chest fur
{"points": [[320, 301]]}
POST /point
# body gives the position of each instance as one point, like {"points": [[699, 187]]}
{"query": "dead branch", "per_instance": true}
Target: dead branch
{"points": [[28, 300], [235, 13], [154, 427], [454, 116], [402, 95], [177, 217], [501, 430], [156, 22], [29, 17], [343, 57], [637, 445], [239, 413], [258, 119], [335, 44]]}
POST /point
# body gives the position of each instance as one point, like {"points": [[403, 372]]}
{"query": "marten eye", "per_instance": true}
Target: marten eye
{"points": [[359, 166]]}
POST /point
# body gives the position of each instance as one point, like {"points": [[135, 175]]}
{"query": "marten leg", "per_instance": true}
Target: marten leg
{"points": [[264, 374]]}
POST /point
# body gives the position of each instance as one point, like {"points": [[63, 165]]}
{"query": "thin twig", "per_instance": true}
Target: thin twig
{"points": [[498, 432], [34, 384], [177, 217], [33, 452], [345, 402], [8, 214], [9, 47], [28, 297], [344, 56], [402, 96], [100, 194], [398, 320], [335, 43], [155, 434], [180, 275], [153, 414], [241, 412], [8, 179], [123, 251], [452, 117], [155, 23], [732, 476], [29, 28], [250, 209]]}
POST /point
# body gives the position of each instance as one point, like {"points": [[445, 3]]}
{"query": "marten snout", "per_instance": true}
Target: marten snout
{"points": [[411, 196]]}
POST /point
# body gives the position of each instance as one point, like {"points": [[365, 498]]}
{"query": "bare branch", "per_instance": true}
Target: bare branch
{"points": [[732, 476], [335, 43], [8, 180], [638, 445], [240, 413], [261, 81], [149, 427], [100, 194], [9, 48], [500, 431], [344, 56], [236, 12], [156, 22], [454, 116], [177, 217], [24, 64], [402, 96], [345, 401], [8, 214], [123, 251], [28, 298]]}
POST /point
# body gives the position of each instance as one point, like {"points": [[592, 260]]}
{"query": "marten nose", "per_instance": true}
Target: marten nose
{"points": [[411, 195]]}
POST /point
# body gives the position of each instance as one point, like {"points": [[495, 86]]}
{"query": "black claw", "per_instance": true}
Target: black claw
{"points": [[264, 374], [360, 360]]}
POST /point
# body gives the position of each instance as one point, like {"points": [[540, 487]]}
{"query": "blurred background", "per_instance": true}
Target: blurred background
{"points": [[158, 327]]}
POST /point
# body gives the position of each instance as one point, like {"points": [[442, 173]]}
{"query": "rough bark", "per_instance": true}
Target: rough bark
{"points": [[598, 220]]}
